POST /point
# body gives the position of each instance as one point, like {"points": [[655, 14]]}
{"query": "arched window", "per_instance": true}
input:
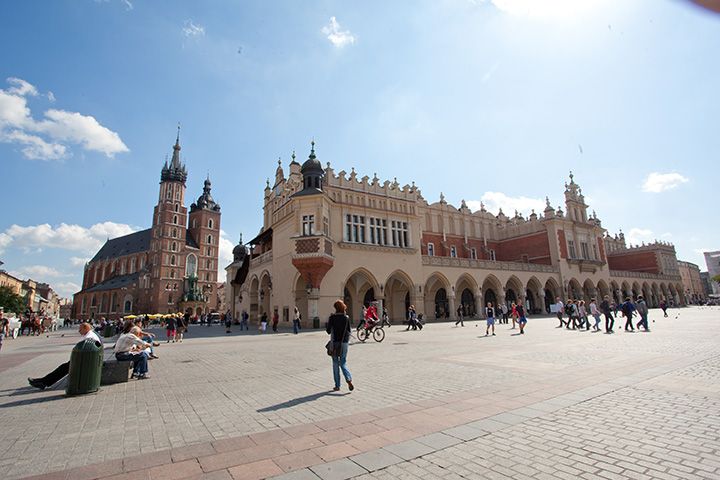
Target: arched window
{"points": [[127, 307], [173, 247], [122, 268], [210, 223], [175, 219], [172, 273], [194, 223], [191, 265], [177, 207], [113, 300], [174, 233], [210, 239], [172, 260], [431, 250]]}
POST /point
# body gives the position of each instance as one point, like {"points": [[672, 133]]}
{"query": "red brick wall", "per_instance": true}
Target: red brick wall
{"points": [[535, 246], [634, 262], [459, 243], [563, 244]]}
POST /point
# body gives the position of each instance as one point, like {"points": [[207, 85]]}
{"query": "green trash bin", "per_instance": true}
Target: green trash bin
{"points": [[316, 322], [109, 330], [86, 362]]}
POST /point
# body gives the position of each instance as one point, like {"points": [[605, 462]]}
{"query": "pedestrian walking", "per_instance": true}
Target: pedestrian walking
{"points": [[296, 321], [513, 315], [490, 322], [460, 316], [504, 310], [643, 311], [595, 314], [522, 319], [228, 321], [582, 313], [560, 311], [338, 326], [663, 307], [263, 322], [385, 318], [171, 329], [606, 309], [275, 320], [244, 320], [627, 309]]}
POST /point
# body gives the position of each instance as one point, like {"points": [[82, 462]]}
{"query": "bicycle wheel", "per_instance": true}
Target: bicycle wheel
{"points": [[379, 335], [362, 335]]}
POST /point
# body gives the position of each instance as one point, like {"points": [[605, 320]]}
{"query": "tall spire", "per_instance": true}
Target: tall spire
{"points": [[176, 170]]}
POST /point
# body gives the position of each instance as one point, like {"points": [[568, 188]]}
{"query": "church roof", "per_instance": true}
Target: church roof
{"points": [[190, 241], [115, 282], [125, 245]]}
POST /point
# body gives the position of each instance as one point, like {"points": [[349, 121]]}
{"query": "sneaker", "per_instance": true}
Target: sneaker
{"points": [[493, 334], [152, 355], [34, 382], [143, 376], [156, 344], [350, 385], [336, 389]]}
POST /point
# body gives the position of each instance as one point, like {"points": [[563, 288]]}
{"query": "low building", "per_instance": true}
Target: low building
{"points": [[712, 260], [693, 288]]}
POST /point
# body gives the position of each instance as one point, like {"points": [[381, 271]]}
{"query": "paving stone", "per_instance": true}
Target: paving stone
{"points": [[376, 459], [338, 470]]}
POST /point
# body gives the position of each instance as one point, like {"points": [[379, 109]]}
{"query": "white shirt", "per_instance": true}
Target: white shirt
{"points": [[126, 342], [91, 335]]}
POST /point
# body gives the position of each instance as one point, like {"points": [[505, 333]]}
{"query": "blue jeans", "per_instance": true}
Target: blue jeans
{"points": [[149, 339], [140, 361], [296, 326], [339, 364], [643, 321]]}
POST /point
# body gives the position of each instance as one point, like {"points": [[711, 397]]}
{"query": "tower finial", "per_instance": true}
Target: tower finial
{"points": [[312, 146], [572, 177], [177, 140], [293, 156], [279, 161]]}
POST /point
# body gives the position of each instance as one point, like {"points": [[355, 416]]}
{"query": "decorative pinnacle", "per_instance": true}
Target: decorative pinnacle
{"points": [[177, 140], [572, 177], [279, 161], [312, 147], [240, 238], [293, 156]]}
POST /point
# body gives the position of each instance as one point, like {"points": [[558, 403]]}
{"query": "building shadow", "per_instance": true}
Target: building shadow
{"points": [[31, 401]]}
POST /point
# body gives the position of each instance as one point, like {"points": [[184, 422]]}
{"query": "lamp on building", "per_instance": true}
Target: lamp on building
{"points": [[308, 288]]}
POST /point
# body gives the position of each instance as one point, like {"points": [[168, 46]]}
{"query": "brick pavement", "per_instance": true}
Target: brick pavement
{"points": [[442, 403]]}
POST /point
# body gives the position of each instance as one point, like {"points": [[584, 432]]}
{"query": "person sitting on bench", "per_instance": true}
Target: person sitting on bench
{"points": [[130, 347], [56, 375]]}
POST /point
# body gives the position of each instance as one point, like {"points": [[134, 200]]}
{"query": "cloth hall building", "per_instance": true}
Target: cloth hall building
{"points": [[329, 235], [170, 267]]}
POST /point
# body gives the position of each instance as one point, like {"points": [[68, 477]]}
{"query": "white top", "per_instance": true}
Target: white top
{"points": [[126, 342], [91, 335]]}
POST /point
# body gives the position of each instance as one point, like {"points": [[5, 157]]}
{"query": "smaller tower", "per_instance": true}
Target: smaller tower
{"points": [[204, 229], [312, 173], [575, 201]]}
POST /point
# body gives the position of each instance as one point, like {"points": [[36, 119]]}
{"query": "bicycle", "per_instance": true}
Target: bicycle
{"points": [[377, 332]]}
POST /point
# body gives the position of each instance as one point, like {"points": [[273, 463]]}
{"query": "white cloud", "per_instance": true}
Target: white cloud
{"points": [[660, 182], [21, 87], [38, 273], [128, 5], [64, 236], [79, 261], [51, 97], [18, 127], [66, 289], [638, 235], [192, 30], [336, 35], [494, 201], [225, 256]]}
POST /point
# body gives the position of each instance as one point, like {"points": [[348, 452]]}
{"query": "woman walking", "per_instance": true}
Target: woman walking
{"points": [[513, 314], [596, 314], [338, 327], [490, 314], [296, 321]]}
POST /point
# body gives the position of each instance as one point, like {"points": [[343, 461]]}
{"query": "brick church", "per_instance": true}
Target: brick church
{"points": [[167, 268]]}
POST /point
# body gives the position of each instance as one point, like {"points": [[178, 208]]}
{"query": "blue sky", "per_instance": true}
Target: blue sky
{"points": [[492, 100]]}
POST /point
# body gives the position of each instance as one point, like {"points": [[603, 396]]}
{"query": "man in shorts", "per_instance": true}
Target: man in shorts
{"points": [[522, 319], [490, 314]]}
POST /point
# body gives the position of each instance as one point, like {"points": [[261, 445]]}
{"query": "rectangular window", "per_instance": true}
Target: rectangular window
{"points": [[595, 252], [571, 249], [308, 225], [355, 228], [492, 255], [453, 252], [431, 250], [400, 234], [585, 250], [473, 253]]}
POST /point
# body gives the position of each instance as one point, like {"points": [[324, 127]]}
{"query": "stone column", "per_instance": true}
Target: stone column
{"points": [[313, 298], [451, 306], [479, 310]]}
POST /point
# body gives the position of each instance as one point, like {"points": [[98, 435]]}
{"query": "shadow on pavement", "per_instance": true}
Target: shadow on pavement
{"points": [[19, 403], [299, 400]]}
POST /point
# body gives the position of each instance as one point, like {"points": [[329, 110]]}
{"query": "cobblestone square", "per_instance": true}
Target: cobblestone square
{"points": [[445, 402]]}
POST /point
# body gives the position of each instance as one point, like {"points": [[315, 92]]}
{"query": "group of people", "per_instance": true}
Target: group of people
{"points": [[578, 314]]}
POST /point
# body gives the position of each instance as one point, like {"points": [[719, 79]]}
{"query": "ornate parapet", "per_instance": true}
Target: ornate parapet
{"points": [[487, 264]]}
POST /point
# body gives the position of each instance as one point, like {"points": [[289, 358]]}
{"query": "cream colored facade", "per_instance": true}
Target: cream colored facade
{"points": [[329, 235], [693, 289]]}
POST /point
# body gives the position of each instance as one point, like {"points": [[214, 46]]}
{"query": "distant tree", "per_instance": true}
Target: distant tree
{"points": [[716, 278], [10, 301]]}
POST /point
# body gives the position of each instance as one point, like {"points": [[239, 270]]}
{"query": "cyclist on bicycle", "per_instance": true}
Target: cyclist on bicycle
{"points": [[371, 317]]}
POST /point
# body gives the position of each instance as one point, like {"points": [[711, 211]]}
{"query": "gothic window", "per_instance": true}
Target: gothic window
{"points": [[174, 233], [122, 268], [169, 194], [194, 223], [308, 225], [453, 252], [173, 247], [191, 265], [93, 302], [132, 265], [210, 239], [431, 249], [210, 223], [473, 253], [172, 273], [209, 264], [127, 308], [172, 260], [170, 299], [492, 255], [175, 219], [177, 207]]}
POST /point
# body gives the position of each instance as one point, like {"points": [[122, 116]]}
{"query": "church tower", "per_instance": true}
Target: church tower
{"points": [[575, 205], [205, 231], [168, 234]]}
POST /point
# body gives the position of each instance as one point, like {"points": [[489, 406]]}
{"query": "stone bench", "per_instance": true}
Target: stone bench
{"points": [[115, 371]]}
